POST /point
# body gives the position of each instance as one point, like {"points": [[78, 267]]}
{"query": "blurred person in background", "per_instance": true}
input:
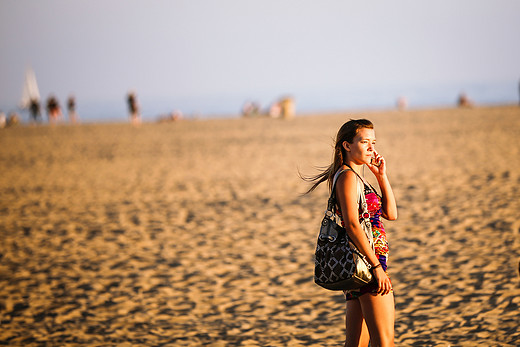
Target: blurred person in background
{"points": [[133, 108], [35, 110], [71, 109], [53, 110]]}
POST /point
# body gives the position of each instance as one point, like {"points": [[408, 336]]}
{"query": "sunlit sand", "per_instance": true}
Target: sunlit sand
{"points": [[195, 233]]}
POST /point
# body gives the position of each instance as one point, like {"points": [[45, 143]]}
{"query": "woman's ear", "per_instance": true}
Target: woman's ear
{"points": [[346, 146]]}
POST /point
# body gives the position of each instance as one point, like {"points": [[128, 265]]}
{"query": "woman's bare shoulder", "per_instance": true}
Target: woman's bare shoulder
{"points": [[347, 179]]}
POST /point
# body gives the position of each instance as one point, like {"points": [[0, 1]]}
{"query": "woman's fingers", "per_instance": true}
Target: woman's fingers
{"points": [[385, 289], [381, 289], [385, 286], [388, 287], [377, 164]]}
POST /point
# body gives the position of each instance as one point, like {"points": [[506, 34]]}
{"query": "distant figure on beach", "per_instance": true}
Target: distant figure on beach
{"points": [[402, 103], [53, 110], [133, 109], [34, 110], [464, 101], [13, 119], [71, 109], [370, 309], [3, 120], [275, 111], [251, 109]]}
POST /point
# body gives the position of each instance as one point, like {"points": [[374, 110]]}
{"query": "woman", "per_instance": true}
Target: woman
{"points": [[370, 310]]}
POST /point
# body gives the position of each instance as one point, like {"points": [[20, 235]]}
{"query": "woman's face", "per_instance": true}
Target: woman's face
{"points": [[361, 150]]}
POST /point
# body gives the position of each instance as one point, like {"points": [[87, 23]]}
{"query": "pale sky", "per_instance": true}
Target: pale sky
{"points": [[210, 56]]}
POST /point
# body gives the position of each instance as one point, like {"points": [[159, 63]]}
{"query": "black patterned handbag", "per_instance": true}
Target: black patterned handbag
{"points": [[338, 263]]}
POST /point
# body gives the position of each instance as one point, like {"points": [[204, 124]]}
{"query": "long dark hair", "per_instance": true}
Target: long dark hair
{"points": [[347, 132]]}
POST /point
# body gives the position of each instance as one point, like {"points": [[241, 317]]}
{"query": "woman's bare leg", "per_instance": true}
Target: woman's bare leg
{"points": [[379, 314], [356, 329]]}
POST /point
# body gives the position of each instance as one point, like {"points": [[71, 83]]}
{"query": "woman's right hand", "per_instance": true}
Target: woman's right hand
{"points": [[382, 280]]}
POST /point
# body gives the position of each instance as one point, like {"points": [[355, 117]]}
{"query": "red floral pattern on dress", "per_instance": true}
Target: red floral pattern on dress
{"points": [[378, 230]]}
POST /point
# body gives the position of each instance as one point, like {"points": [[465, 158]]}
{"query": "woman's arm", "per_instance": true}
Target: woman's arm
{"points": [[389, 205], [346, 194]]}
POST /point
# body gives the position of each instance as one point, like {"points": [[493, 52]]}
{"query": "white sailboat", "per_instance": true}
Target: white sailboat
{"points": [[30, 89]]}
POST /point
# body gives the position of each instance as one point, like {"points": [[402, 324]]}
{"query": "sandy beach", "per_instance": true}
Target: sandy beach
{"points": [[196, 233]]}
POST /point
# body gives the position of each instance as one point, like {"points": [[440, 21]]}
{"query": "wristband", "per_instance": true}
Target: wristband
{"points": [[375, 267]]}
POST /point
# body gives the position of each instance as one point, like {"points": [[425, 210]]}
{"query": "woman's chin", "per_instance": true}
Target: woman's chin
{"points": [[363, 162]]}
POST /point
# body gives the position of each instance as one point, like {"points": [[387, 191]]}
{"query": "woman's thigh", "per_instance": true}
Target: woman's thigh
{"points": [[356, 329], [379, 314]]}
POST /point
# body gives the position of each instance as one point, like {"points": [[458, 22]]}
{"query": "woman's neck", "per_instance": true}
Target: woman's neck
{"points": [[354, 166]]}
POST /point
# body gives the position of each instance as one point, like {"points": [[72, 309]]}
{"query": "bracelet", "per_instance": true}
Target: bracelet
{"points": [[375, 267]]}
